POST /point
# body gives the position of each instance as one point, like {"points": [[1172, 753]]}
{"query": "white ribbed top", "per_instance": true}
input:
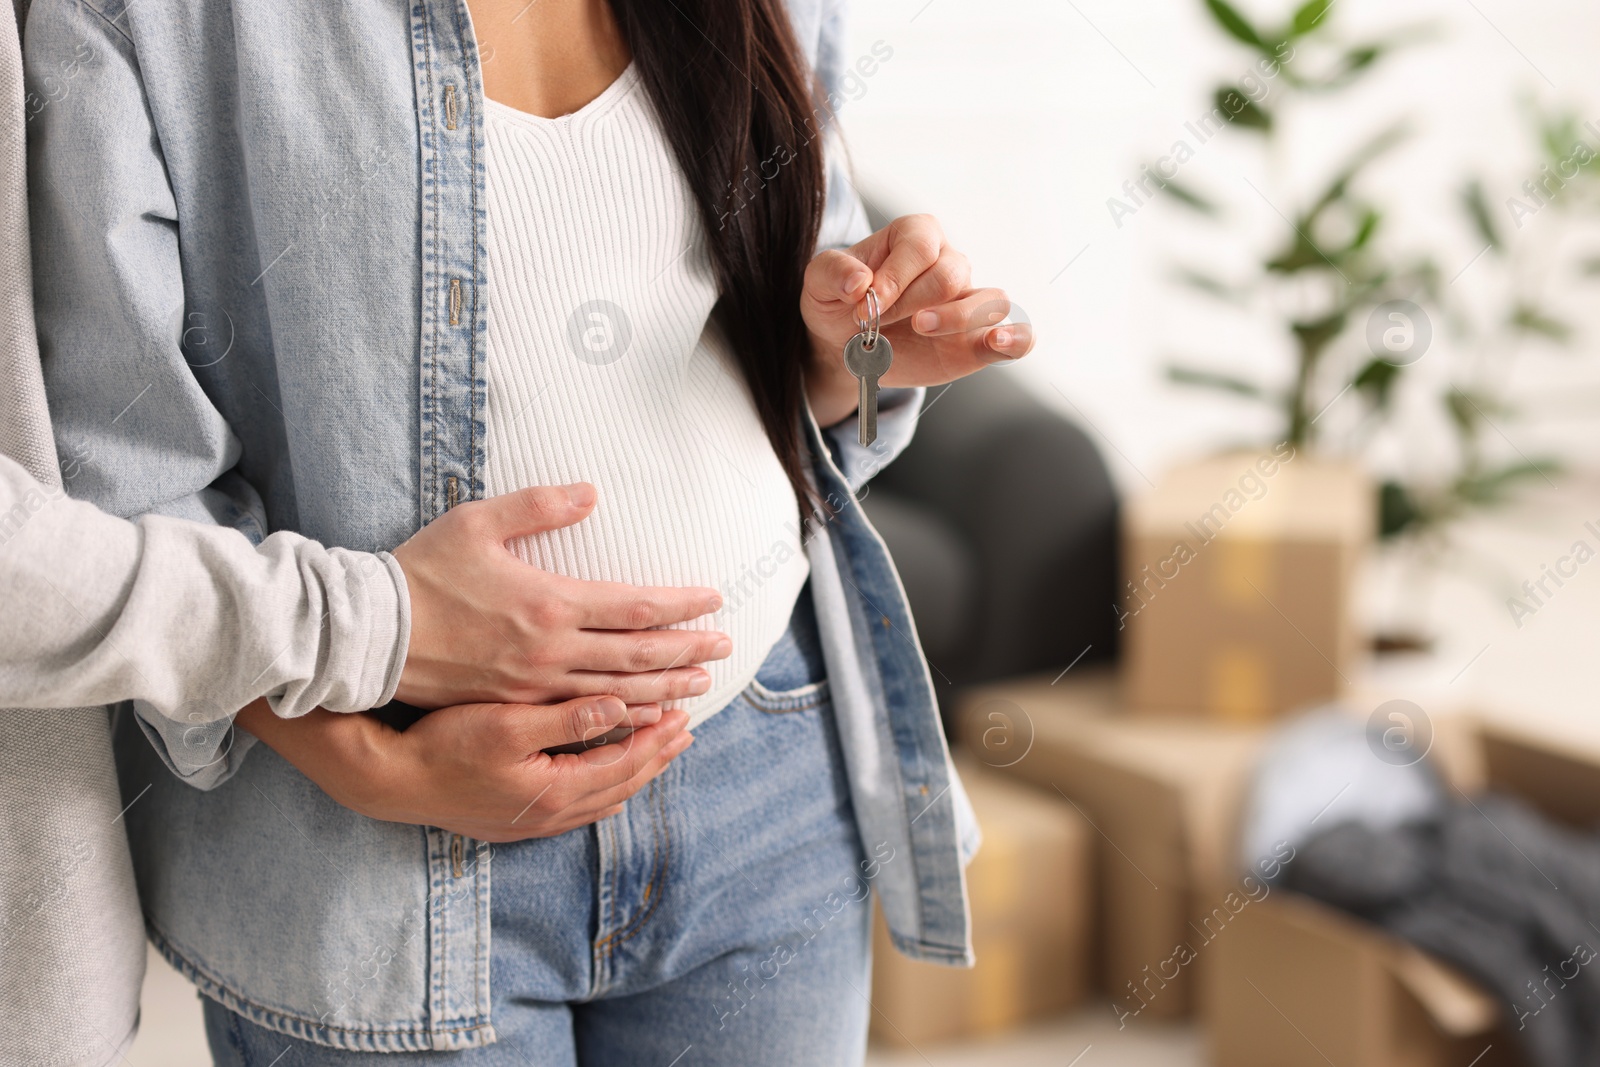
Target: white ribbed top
{"points": [[603, 367]]}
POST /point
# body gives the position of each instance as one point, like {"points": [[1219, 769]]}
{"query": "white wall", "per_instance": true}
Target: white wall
{"points": [[1015, 120]]}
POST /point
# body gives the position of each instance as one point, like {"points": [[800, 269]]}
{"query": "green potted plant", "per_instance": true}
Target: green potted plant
{"points": [[1366, 312]]}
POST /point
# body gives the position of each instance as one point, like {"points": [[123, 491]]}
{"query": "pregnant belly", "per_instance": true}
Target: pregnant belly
{"points": [[695, 499]]}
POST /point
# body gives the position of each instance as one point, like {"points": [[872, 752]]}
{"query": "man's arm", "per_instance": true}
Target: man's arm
{"points": [[195, 622], [189, 618]]}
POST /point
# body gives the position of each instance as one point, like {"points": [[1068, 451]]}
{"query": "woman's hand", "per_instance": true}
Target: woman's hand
{"points": [[480, 769], [486, 626], [940, 327]]}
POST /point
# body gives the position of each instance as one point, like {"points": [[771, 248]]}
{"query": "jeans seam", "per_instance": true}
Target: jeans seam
{"points": [[660, 860], [236, 1037], [605, 928], [616, 881], [609, 942]]}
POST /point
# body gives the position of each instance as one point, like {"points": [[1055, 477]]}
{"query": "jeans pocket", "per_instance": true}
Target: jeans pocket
{"points": [[801, 698], [793, 677]]}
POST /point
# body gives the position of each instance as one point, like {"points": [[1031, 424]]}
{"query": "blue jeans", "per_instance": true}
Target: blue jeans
{"points": [[724, 917]]}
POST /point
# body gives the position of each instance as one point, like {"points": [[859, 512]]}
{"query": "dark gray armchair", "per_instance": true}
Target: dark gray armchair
{"points": [[1002, 519]]}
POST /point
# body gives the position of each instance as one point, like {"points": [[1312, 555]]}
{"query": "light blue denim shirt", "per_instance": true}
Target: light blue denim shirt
{"points": [[260, 284]]}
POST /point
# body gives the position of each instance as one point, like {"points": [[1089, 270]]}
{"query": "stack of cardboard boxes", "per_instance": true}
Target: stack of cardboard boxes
{"points": [[1236, 613], [1032, 913], [1239, 576], [1162, 798]]}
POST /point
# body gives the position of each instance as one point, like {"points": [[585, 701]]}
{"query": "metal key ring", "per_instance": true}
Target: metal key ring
{"points": [[874, 320]]}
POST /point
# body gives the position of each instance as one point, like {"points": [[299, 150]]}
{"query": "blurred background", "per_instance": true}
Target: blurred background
{"points": [[1258, 599]]}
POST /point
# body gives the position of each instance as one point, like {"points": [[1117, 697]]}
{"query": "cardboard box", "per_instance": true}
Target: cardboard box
{"points": [[1298, 984], [1239, 577], [1163, 798], [1030, 888]]}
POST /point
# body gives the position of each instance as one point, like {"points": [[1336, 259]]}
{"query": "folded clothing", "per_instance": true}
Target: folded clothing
{"points": [[1493, 887]]}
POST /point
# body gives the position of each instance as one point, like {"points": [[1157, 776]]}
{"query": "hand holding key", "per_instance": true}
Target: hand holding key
{"points": [[937, 327]]}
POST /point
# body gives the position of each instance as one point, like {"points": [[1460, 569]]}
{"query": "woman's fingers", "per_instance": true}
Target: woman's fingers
{"points": [[482, 769], [836, 280], [612, 798], [972, 309], [607, 766], [1011, 341], [910, 245], [633, 763], [956, 355], [619, 606], [644, 687], [649, 650], [944, 281], [609, 801], [969, 333], [532, 728]]}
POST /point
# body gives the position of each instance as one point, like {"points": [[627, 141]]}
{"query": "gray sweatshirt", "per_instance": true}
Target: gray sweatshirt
{"points": [[94, 610]]}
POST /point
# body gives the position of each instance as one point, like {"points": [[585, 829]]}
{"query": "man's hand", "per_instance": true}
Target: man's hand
{"points": [[480, 769], [486, 626], [940, 327]]}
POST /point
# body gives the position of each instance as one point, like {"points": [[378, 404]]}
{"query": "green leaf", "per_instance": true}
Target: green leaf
{"points": [[1315, 335], [1357, 59], [1477, 207], [1398, 510], [1368, 226], [1206, 283], [1463, 412], [1558, 133], [1530, 319], [1494, 486], [1237, 26], [1206, 379], [1339, 185], [1302, 254], [1376, 382], [1240, 110], [1309, 17], [1188, 197], [1467, 410]]}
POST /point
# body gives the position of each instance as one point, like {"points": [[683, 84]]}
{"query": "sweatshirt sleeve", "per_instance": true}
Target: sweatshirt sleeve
{"points": [[191, 621]]}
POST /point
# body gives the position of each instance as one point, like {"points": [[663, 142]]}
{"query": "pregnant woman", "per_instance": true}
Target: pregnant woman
{"points": [[336, 267]]}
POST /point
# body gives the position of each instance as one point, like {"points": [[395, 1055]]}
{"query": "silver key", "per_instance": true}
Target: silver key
{"points": [[867, 355], [868, 364]]}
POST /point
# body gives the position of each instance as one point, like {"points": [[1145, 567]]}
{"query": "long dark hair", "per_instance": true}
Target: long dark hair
{"points": [[743, 114]]}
